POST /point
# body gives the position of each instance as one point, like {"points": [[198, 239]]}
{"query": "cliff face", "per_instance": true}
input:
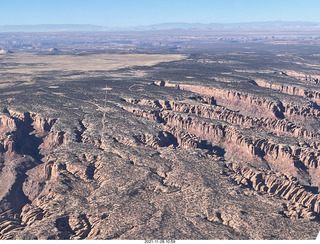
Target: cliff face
{"points": [[278, 126], [237, 100], [22, 137], [291, 90], [207, 151], [302, 204], [251, 105], [222, 128], [190, 125]]}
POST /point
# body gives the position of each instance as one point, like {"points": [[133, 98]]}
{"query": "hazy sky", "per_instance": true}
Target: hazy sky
{"points": [[144, 12]]}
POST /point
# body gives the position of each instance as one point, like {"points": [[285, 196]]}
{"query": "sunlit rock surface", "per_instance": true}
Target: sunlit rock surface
{"points": [[137, 142]]}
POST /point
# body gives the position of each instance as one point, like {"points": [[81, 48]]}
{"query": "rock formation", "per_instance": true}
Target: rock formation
{"points": [[203, 146]]}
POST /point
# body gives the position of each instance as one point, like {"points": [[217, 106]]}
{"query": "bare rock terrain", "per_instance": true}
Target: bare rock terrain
{"points": [[209, 144]]}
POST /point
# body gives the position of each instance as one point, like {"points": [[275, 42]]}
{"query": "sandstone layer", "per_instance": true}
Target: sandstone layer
{"points": [[193, 146]]}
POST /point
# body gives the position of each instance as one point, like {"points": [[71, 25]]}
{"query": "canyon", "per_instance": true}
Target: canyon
{"points": [[213, 140]]}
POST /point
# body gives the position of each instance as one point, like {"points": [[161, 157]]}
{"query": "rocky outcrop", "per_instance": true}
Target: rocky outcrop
{"points": [[217, 132], [171, 137], [236, 99], [29, 214], [80, 226], [41, 125], [53, 139], [7, 225], [190, 124], [22, 136], [254, 105], [190, 132], [33, 132], [7, 124], [303, 203], [291, 90], [213, 157], [313, 79], [213, 112]]}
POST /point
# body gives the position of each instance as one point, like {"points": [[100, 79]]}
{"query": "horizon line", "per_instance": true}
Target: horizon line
{"points": [[165, 26], [175, 22]]}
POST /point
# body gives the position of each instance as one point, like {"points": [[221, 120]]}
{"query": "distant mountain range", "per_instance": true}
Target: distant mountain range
{"points": [[50, 28], [270, 25], [247, 25]]}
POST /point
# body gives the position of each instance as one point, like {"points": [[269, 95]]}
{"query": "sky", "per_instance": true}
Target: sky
{"points": [[125, 13]]}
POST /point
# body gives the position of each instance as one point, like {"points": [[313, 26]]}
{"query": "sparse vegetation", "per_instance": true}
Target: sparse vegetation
{"points": [[201, 135]]}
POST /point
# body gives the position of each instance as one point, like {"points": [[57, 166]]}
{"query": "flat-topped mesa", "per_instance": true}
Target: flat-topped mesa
{"points": [[280, 127], [276, 184]]}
